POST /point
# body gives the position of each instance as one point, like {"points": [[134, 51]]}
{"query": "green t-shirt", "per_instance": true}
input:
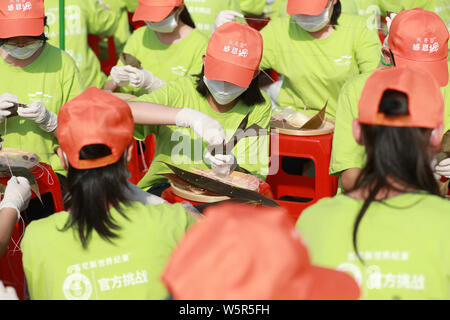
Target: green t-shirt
{"points": [[165, 61], [122, 32], [402, 240], [52, 79], [57, 267], [204, 12], [346, 153], [315, 70], [270, 8], [183, 148], [81, 20]]}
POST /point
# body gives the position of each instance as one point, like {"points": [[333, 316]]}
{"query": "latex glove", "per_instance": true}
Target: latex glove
{"points": [[37, 112], [389, 20], [6, 101], [17, 195], [225, 16], [8, 293], [222, 164], [142, 78], [120, 76], [443, 168], [209, 129]]}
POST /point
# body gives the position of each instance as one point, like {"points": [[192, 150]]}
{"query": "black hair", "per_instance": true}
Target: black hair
{"points": [[250, 97], [186, 18], [93, 192], [42, 37], [400, 154], [337, 10]]}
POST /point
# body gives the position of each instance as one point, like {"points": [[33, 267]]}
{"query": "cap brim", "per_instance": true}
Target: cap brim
{"points": [[21, 27], [329, 284], [438, 69], [310, 8], [152, 14], [220, 70]]}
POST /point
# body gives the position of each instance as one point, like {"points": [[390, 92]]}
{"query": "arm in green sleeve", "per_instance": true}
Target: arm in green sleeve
{"points": [[269, 57], [346, 152], [367, 50], [101, 21]]}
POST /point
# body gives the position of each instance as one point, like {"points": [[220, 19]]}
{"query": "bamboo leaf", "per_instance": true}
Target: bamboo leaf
{"points": [[26, 173]]}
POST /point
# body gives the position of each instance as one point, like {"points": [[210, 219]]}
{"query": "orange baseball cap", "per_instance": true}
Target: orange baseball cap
{"points": [[307, 7], [18, 18], [242, 252], [155, 10], [419, 38], [425, 101], [94, 117], [233, 54]]}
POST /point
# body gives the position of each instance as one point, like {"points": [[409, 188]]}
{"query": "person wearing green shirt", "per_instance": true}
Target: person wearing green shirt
{"points": [[105, 246], [347, 156], [391, 230], [226, 90], [316, 50], [38, 75], [204, 13], [264, 8], [169, 31], [81, 20]]}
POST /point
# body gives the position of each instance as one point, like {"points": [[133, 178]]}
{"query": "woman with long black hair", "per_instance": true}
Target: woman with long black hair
{"points": [[391, 230], [106, 245]]}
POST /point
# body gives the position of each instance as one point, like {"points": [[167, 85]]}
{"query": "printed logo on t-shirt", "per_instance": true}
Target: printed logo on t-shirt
{"points": [[179, 71], [373, 277], [78, 286], [344, 61], [40, 96]]}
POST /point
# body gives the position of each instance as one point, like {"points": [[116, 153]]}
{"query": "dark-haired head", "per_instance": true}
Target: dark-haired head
{"points": [[252, 96], [93, 192], [398, 158]]}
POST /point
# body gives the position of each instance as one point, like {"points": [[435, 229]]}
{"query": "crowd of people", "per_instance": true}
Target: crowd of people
{"points": [[380, 67]]}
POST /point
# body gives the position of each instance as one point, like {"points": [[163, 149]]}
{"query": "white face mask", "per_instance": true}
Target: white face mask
{"points": [[22, 53], [166, 26], [314, 23], [222, 91]]}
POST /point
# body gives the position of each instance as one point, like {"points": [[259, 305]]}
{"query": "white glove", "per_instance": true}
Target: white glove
{"points": [[8, 293], [388, 24], [37, 112], [17, 195], [225, 16], [142, 78], [443, 168], [120, 76], [203, 125], [222, 164], [6, 101]]}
